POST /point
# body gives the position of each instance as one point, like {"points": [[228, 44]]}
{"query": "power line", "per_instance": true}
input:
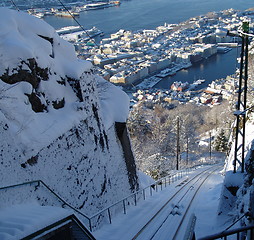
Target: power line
{"points": [[77, 22], [15, 5], [70, 15]]}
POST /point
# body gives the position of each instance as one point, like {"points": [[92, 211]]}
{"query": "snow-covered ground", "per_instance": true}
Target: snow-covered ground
{"points": [[204, 207]]}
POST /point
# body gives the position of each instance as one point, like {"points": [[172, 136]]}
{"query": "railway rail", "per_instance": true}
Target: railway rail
{"points": [[169, 222]]}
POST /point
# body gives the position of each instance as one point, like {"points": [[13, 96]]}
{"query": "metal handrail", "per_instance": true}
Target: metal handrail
{"points": [[237, 231], [55, 194], [153, 185], [158, 182]]}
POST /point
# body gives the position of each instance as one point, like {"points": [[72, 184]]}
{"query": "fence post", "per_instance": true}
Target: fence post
{"points": [[90, 225], [151, 191], [109, 216], [135, 199], [124, 208], [144, 194]]}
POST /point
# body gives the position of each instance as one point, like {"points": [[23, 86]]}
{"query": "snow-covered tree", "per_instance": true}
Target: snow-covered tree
{"points": [[221, 142]]}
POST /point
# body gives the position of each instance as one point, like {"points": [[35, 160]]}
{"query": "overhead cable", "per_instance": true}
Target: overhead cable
{"points": [[77, 22], [15, 5]]}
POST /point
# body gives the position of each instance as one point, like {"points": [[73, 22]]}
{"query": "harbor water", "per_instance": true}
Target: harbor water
{"points": [[216, 67], [148, 14]]}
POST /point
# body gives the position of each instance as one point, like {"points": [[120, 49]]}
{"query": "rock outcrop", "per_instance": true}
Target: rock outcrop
{"points": [[57, 119]]}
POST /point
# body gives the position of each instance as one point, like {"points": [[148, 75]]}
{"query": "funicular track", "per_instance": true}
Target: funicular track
{"points": [[167, 222]]}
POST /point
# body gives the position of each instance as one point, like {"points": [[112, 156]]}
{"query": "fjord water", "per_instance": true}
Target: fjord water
{"points": [[148, 14]]}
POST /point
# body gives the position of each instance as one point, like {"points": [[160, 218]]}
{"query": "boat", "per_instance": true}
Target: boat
{"points": [[199, 81], [91, 33], [69, 29], [166, 72], [67, 14], [196, 83], [76, 32], [223, 49], [100, 5], [39, 15], [187, 65]]}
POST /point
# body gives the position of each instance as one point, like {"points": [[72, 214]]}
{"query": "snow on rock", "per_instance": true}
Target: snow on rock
{"points": [[37, 62], [114, 102], [57, 119], [26, 37]]}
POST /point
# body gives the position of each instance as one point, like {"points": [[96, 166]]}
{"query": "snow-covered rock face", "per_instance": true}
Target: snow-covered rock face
{"points": [[35, 68], [57, 118]]}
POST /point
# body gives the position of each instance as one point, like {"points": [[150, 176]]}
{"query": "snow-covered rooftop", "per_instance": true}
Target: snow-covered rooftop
{"points": [[19, 221]]}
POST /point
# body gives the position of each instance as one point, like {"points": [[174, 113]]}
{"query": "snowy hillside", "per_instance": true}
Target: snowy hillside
{"points": [[57, 119]]}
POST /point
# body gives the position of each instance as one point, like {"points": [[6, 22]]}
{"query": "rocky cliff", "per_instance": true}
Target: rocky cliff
{"points": [[57, 119]]}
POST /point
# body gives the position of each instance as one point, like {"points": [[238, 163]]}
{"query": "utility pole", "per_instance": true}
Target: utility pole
{"points": [[210, 146], [241, 105], [187, 151], [178, 143]]}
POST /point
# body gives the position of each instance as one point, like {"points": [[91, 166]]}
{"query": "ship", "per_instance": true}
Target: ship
{"points": [[166, 72], [69, 29], [67, 14], [195, 84], [78, 33], [93, 32], [99, 5], [223, 49]]}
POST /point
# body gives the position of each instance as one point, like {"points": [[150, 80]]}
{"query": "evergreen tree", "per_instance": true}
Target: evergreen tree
{"points": [[220, 143]]}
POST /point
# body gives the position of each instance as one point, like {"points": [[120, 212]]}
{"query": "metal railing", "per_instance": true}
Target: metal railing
{"points": [[64, 203], [122, 205], [242, 233], [142, 194]]}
